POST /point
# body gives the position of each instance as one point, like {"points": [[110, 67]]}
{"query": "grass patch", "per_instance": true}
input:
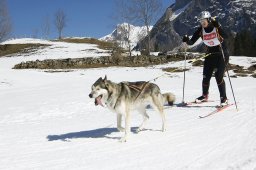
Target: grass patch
{"points": [[198, 63], [174, 69], [101, 44], [253, 75], [8, 49], [239, 70], [252, 67], [242, 75], [58, 71]]}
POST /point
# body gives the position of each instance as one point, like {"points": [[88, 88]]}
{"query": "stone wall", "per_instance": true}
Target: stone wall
{"points": [[91, 62]]}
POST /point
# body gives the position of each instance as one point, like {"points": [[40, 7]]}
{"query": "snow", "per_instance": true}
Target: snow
{"points": [[154, 53], [243, 61], [176, 13], [47, 121], [56, 50], [136, 34]]}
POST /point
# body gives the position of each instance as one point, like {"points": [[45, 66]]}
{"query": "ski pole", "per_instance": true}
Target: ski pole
{"points": [[228, 76], [184, 76]]}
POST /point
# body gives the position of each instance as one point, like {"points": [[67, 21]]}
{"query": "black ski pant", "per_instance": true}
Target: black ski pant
{"points": [[215, 63]]}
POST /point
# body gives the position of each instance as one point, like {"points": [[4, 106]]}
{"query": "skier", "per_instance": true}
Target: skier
{"points": [[212, 35]]}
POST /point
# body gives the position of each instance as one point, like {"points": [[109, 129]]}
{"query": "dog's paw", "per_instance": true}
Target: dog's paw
{"points": [[163, 129], [121, 129], [123, 139]]}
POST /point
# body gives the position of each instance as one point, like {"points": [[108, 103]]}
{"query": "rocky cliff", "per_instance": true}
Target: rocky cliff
{"points": [[181, 18]]}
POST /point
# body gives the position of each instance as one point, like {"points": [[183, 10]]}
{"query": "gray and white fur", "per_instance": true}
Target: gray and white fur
{"points": [[124, 97]]}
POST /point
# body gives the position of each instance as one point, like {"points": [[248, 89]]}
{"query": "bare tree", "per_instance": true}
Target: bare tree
{"points": [[5, 21], [124, 31], [35, 33], [46, 27], [142, 34], [146, 12], [123, 15], [60, 21]]}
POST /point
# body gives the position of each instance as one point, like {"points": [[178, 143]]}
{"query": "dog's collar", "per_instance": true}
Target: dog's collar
{"points": [[108, 99], [114, 102]]}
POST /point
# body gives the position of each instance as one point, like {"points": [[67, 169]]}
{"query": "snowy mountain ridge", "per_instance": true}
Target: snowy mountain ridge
{"points": [[120, 34]]}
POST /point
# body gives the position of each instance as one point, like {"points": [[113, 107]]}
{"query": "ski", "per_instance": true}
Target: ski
{"points": [[219, 109], [196, 103], [193, 103]]}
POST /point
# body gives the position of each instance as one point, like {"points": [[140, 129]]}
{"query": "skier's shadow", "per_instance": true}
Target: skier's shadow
{"points": [[95, 133]]}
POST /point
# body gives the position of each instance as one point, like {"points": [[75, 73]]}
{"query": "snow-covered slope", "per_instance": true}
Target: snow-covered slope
{"points": [[56, 50], [177, 12], [119, 34], [47, 121]]}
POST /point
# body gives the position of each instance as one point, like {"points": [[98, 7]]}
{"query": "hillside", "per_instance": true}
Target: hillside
{"points": [[38, 49], [47, 120]]}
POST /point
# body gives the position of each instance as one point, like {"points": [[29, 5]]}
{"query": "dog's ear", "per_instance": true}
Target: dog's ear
{"points": [[105, 79]]}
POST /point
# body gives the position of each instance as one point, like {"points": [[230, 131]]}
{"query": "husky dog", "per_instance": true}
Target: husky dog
{"points": [[124, 97]]}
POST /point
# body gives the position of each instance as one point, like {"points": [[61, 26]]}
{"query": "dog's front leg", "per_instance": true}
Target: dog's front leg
{"points": [[119, 122], [127, 127]]}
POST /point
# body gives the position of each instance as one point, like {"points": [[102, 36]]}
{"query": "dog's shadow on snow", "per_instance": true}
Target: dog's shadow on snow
{"points": [[95, 133]]}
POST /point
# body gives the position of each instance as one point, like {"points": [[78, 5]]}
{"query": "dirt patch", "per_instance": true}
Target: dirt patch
{"points": [[233, 76], [253, 75], [239, 70], [235, 67], [9, 49], [174, 69], [242, 75], [58, 71], [198, 63], [252, 67]]}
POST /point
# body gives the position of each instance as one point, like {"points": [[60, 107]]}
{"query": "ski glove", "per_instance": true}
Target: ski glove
{"points": [[185, 38]]}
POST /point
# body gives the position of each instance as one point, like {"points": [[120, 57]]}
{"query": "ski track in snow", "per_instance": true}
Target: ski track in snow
{"points": [[47, 121]]}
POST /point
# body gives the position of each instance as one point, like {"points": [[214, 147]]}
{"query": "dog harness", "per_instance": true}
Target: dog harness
{"points": [[138, 88]]}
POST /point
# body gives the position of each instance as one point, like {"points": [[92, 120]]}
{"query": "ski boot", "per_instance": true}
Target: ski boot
{"points": [[203, 98], [223, 101]]}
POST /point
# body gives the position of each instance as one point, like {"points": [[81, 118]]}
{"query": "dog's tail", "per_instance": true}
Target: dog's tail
{"points": [[169, 98]]}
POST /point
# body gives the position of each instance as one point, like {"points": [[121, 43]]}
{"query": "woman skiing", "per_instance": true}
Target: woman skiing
{"points": [[212, 35]]}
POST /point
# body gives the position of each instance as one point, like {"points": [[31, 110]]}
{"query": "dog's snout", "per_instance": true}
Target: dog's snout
{"points": [[90, 95]]}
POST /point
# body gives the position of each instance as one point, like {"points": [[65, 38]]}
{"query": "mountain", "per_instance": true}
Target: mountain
{"points": [[120, 34], [181, 18]]}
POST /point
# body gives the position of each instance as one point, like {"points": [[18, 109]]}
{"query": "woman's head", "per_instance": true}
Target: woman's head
{"points": [[204, 23], [204, 18]]}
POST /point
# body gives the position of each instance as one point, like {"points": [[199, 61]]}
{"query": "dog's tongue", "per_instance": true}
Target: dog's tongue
{"points": [[98, 101]]}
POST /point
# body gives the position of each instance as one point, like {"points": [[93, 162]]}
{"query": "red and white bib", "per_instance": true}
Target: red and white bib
{"points": [[211, 39]]}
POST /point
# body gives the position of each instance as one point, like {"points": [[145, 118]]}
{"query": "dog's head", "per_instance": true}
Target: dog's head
{"points": [[100, 91]]}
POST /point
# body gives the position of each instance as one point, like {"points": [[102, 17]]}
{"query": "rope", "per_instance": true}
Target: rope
{"points": [[191, 61]]}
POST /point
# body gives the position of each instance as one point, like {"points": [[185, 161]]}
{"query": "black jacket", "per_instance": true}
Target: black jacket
{"points": [[199, 32]]}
